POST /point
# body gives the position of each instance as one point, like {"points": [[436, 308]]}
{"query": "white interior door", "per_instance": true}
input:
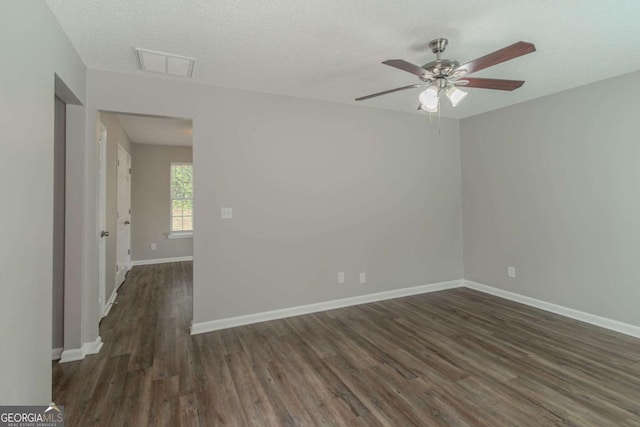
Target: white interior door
{"points": [[123, 216], [102, 216]]}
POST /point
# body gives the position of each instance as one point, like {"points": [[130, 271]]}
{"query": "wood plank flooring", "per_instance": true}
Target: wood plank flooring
{"points": [[450, 358]]}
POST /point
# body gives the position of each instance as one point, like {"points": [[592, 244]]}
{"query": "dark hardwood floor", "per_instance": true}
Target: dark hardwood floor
{"points": [[450, 358]]}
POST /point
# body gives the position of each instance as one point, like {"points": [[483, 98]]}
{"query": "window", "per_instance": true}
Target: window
{"points": [[181, 197]]}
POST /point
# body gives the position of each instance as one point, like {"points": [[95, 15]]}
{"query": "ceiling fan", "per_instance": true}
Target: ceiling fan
{"points": [[444, 75]]}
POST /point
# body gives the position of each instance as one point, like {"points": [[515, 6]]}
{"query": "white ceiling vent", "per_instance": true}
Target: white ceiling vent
{"points": [[165, 63]]}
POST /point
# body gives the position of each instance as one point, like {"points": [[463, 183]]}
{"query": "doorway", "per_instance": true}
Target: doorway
{"points": [[59, 201], [145, 222], [66, 278]]}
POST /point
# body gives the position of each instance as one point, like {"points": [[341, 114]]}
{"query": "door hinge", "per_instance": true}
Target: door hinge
{"points": [[129, 210], [129, 252], [118, 163], [129, 171]]}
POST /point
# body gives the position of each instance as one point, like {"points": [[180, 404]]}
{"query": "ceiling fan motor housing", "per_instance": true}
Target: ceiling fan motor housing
{"points": [[441, 67]]}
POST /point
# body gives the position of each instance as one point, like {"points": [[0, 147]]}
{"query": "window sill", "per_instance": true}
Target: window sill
{"points": [[180, 235]]}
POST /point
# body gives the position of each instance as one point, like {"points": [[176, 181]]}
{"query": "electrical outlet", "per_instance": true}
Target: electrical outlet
{"points": [[341, 277], [226, 213], [511, 272], [153, 246], [363, 278]]}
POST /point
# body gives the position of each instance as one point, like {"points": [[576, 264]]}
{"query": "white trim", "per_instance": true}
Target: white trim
{"points": [[214, 325], [92, 347], [171, 199], [75, 354], [112, 299], [180, 235], [162, 260], [71, 355], [231, 322], [56, 353], [603, 322]]}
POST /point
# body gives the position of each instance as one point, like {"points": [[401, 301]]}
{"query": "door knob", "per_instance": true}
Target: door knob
{"points": [[104, 234], [127, 222]]}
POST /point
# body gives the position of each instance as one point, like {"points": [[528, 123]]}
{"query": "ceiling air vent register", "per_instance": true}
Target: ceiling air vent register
{"points": [[165, 63]]}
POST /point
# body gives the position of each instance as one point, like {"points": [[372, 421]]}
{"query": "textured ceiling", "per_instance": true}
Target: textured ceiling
{"points": [[156, 130], [332, 49]]}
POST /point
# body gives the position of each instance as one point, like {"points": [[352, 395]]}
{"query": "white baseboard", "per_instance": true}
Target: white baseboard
{"points": [[214, 325], [71, 355], [56, 353], [110, 302], [161, 260], [75, 354], [613, 325], [593, 319], [92, 347]]}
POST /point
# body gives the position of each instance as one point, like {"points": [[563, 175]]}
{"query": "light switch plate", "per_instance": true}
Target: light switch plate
{"points": [[341, 277], [511, 272], [363, 278], [226, 213]]}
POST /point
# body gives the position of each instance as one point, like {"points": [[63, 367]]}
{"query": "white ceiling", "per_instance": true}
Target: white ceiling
{"points": [[156, 130], [332, 49]]}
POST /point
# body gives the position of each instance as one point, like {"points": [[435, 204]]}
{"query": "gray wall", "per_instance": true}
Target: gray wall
{"points": [[316, 188], [150, 214], [552, 187], [36, 47], [115, 135]]}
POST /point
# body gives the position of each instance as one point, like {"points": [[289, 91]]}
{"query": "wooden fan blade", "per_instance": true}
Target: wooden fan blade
{"points": [[407, 66], [362, 98], [497, 84], [502, 55]]}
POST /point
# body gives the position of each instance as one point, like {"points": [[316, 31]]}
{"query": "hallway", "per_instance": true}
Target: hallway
{"points": [[147, 342]]}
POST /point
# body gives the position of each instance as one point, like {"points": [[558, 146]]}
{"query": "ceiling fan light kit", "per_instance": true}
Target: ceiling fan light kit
{"points": [[429, 99], [455, 95], [442, 76]]}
